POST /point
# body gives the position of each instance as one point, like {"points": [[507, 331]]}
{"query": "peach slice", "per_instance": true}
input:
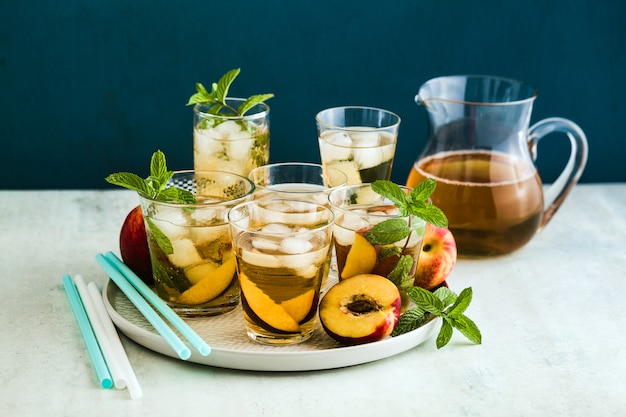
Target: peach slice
{"points": [[211, 285], [265, 308], [361, 258], [298, 307]]}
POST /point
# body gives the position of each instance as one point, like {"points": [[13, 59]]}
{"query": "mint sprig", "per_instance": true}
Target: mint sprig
{"points": [[155, 185], [216, 98], [415, 203], [443, 303]]}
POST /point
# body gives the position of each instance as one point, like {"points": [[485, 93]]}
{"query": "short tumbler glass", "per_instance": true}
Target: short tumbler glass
{"points": [[360, 141], [283, 251], [190, 245], [296, 181]]}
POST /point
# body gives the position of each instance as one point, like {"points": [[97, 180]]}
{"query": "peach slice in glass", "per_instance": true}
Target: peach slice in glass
{"points": [[361, 258], [210, 286]]}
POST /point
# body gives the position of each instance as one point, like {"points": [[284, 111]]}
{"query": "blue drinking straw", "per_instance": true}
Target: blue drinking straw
{"points": [[184, 329], [97, 359], [157, 322]]}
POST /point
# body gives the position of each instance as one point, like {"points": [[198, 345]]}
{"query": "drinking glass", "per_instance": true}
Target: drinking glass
{"points": [[357, 209], [296, 181], [231, 143], [190, 244], [283, 251], [360, 141]]}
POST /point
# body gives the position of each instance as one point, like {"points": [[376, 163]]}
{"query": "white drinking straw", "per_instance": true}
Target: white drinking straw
{"points": [[133, 386], [108, 351], [180, 325], [142, 305]]}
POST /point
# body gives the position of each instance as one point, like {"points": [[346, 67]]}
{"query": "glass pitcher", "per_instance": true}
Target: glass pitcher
{"points": [[481, 151]]}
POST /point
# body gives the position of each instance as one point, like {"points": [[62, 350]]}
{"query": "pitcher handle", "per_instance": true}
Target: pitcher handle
{"points": [[556, 193]]}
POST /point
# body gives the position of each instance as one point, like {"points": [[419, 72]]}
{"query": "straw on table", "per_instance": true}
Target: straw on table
{"points": [[157, 322], [101, 336], [102, 372], [180, 325], [132, 383]]}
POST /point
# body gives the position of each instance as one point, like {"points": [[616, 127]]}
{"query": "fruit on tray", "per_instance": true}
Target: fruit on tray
{"points": [[361, 258], [134, 245], [360, 309], [213, 284], [437, 257]]}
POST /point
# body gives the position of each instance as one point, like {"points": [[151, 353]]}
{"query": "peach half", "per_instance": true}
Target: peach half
{"points": [[360, 309]]}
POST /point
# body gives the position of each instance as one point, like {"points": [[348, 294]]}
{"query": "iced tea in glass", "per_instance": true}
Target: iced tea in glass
{"points": [[283, 251]]}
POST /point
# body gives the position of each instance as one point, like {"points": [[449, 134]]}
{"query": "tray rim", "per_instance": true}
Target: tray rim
{"points": [[278, 361]]}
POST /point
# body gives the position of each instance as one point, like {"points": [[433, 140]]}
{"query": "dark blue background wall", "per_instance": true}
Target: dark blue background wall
{"points": [[92, 87]]}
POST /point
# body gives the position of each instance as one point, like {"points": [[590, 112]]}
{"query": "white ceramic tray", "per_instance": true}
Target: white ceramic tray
{"points": [[231, 348]]}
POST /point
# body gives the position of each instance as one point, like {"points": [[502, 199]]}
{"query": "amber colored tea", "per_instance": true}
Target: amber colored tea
{"points": [[494, 203]]}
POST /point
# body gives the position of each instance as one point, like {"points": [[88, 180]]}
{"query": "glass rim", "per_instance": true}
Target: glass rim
{"points": [[233, 201], [324, 169], [345, 209], [329, 125], [263, 112], [525, 99], [240, 206]]}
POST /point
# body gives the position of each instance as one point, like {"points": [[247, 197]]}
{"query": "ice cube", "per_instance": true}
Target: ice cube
{"points": [[184, 253], [335, 146], [265, 245], [276, 228], [305, 264], [240, 149], [206, 215], [295, 245], [368, 157], [365, 138], [228, 128], [172, 222], [207, 234], [349, 168], [260, 259]]}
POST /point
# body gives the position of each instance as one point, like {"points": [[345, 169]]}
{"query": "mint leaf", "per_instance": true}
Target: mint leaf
{"points": [[223, 85], [388, 232], [253, 101], [446, 295], [462, 302], [416, 203], [160, 238], [393, 193], [131, 181], [445, 334], [444, 303], [400, 274], [155, 185], [467, 327], [216, 100], [426, 300], [411, 320]]}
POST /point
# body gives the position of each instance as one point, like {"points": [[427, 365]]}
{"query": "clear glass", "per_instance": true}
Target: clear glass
{"points": [[283, 250], [235, 144], [360, 141], [357, 209], [296, 181], [481, 152], [190, 244]]}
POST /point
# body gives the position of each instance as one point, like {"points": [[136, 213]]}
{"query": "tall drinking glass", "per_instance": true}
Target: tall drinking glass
{"points": [[360, 141]]}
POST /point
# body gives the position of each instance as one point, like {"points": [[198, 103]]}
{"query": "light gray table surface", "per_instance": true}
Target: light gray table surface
{"points": [[552, 317]]}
